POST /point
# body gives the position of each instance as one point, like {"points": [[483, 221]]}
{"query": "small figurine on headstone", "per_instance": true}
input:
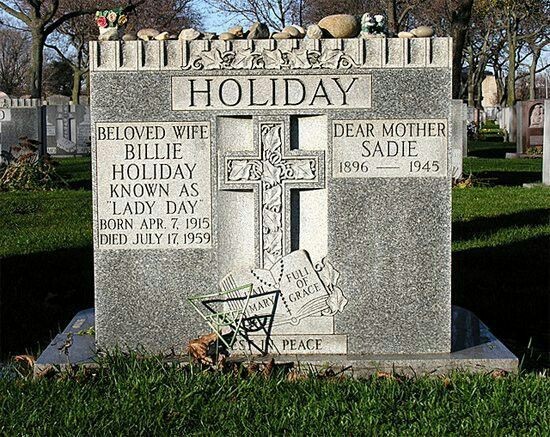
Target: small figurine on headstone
{"points": [[373, 26]]}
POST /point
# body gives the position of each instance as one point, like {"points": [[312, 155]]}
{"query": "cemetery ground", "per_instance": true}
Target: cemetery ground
{"points": [[501, 252]]}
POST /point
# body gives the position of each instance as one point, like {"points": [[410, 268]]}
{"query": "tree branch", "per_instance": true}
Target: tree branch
{"points": [[60, 53], [16, 14], [63, 19], [540, 70]]}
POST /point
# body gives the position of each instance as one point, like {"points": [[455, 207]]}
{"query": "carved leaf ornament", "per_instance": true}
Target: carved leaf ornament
{"points": [[212, 60], [271, 138], [276, 59], [336, 300]]}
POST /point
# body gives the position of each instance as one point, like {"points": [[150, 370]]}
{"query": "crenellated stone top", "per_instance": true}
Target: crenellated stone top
{"points": [[20, 103], [290, 54]]}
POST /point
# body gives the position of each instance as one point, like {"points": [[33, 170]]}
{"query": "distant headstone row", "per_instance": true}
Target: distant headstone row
{"points": [[62, 128]]}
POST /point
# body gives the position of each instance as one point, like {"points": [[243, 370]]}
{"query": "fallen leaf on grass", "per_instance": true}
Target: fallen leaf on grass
{"points": [[46, 371], [295, 375], [252, 368], [27, 359], [200, 348], [221, 365], [499, 373], [387, 375], [268, 368]]}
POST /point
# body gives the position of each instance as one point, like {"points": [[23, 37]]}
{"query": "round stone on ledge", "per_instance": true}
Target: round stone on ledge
{"points": [[227, 36], [258, 31], [281, 35], [292, 31], [423, 32], [162, 36], [147, 34], [129, 37], [189, 35], [314, 32], [406, 35], [237, 31], [300, 29], [340, 26]]}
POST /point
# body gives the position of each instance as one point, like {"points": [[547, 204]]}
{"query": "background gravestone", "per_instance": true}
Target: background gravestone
{"points": [[459, 142], [58, 99], [68, 129], [530, 116], [546, 147], [19, 118]]}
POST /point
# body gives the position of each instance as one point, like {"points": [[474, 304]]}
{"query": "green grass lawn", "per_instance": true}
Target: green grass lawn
{"points": [[501, 251], [45, 221], [76, 172], [144, 397]]}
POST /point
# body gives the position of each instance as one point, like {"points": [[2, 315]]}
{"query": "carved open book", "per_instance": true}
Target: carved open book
{"points": [[291, 290]]}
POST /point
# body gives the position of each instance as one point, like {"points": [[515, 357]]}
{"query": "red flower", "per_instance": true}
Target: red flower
{"points": [[102, 22]]}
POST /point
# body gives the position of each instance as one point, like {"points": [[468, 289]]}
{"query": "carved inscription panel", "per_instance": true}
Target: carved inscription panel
{"points": [[154, 189], [389, 148], [271, 92]]}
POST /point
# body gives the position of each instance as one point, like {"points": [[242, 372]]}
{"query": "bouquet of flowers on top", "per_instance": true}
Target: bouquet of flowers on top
{"points": [[110, 18]]}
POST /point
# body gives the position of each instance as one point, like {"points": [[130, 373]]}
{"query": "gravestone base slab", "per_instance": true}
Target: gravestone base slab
{"points": [[474, 349], [74, 346]]}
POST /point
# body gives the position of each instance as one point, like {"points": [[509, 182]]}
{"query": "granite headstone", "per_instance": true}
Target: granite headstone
{"points": [[459, 136], [318, 169], [530, 116], [19, 118], [68, 129], [546, 146]]}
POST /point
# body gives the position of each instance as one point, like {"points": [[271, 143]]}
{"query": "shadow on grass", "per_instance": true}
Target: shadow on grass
{"points": [[463, 231], [39, 295], [83, 184], [507, 287], [493, 152], [490, 149], [76, 172], [506, 178]]}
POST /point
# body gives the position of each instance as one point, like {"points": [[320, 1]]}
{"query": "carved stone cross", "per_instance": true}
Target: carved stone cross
{"points": [[271, 172]]}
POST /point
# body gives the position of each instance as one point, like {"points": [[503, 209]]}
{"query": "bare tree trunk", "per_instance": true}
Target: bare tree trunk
{"points": [[533, 73], [37, 59], [479, 94], [500, 85], [459, 30], [282, 13], [391, 11], [471, 91], [77, 85], [511, 79], [470, 80]]}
